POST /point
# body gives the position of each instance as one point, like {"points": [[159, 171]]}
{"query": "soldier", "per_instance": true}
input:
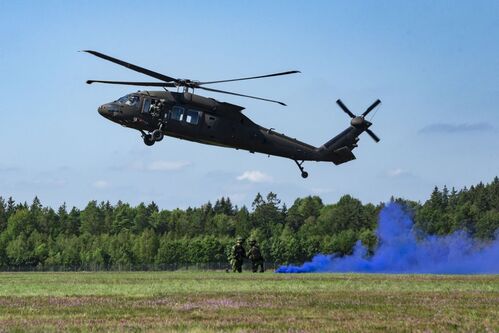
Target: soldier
{"points": [[156, 107], [255, 255], [237, 255]]}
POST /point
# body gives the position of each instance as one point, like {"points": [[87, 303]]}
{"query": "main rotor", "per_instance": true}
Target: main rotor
{"points": [[170, 82]]}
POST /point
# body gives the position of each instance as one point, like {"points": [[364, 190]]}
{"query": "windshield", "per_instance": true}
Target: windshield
{"points": [[128, 100]]}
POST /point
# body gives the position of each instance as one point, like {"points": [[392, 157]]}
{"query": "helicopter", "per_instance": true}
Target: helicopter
{"points": [[185, 115]]}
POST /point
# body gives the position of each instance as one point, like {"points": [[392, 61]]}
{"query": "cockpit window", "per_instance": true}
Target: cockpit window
{"points": [[130, 100]]}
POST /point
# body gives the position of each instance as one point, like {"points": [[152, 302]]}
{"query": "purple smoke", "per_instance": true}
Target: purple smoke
{"points": [[400, 250]]}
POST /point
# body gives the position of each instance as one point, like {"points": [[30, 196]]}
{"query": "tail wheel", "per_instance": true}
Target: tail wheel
{"points": [[304, 174]]}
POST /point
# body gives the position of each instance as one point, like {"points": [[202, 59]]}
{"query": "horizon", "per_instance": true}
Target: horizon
{"points": [[248, 207]]}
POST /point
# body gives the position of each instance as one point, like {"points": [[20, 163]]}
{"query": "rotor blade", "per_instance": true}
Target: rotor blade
{"points": [[128, 83], [133, 67], [236, 94], [374, 136], [250, 78], [344, 108], [369, 109]]}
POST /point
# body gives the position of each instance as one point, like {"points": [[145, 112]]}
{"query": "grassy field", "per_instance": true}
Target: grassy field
{"points": [[218, 301]]}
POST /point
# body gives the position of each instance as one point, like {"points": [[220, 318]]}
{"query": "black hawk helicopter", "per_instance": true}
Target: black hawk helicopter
{"points": [[196, 118]]}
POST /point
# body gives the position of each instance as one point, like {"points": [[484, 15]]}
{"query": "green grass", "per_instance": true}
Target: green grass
{"points": [[216, 301]]}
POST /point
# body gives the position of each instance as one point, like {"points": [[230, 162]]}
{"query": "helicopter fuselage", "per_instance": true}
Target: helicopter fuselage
{"points": [[205, 120]]}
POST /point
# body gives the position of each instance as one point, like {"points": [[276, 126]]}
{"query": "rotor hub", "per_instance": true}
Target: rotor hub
{"points": [[357, 121]]}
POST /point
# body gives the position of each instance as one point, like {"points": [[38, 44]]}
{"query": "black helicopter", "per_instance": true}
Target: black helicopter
{"points": [[196, 118]]}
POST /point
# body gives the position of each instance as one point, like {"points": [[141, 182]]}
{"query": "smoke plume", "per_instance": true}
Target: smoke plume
{"points": [[402, 249]]}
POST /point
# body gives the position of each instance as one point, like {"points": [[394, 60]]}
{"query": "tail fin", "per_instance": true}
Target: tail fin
{"points": [[339, 149]]}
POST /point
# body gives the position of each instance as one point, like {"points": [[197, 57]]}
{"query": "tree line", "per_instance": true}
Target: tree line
{"points": [[106, 235]]}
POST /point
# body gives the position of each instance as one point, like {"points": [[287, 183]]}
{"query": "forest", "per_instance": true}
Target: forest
{"points": [[119, 236]]}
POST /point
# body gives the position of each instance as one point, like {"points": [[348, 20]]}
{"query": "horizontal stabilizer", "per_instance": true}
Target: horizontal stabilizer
{"points": [[342, 155]]}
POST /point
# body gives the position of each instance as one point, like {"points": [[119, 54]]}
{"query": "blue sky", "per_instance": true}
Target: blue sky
{"points": [[434, 64]]}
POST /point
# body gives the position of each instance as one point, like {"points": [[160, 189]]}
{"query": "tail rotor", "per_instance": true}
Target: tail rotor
{"points": [[359, 121]]}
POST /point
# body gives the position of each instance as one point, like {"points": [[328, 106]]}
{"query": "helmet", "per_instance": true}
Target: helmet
{"points": [[239, 239], [252, 242]]}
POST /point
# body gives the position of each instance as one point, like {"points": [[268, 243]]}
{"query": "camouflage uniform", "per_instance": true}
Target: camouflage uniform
{"points": [[238, 253], [255, 255]]}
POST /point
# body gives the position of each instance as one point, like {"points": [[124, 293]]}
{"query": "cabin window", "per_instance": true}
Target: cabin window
{"points": [[192, 117], [146, 106], [177, 113]]}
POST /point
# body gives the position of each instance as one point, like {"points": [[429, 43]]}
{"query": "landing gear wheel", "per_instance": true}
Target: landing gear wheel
{"points": [[304, 174], [157, 135], [148, 140]]}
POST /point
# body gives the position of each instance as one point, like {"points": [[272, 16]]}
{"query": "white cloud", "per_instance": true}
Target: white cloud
{"points": [[255, 176], [167, 165], [160, 165], [100, 184], [457, 128], [398, 172]]}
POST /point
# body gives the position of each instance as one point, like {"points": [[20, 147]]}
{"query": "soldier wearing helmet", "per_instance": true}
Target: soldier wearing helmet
{"points": [[255, 255], [238, 254]]}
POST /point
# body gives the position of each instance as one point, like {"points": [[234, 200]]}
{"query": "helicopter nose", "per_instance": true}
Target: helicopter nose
{"points": [[107, 110], [102, 110]]}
